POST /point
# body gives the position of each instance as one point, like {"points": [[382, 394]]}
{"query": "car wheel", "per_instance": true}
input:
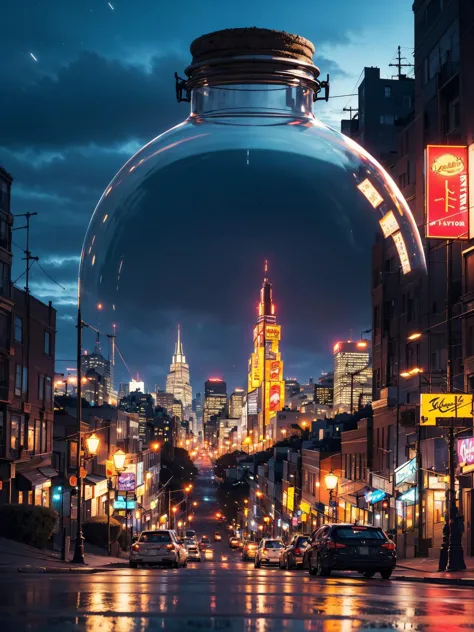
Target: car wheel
{"points": [[312, 570], [322, 570], [185, 563], [289, 566], [133, 565], [368, 574], [257, 564], [176, 564], [386, 573]]}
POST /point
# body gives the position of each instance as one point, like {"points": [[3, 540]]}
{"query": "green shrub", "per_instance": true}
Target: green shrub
{"points": [[95, 530], [27, 523]]}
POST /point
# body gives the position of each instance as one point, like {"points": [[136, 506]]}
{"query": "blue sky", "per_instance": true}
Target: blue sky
{"points": [[102, 86]]}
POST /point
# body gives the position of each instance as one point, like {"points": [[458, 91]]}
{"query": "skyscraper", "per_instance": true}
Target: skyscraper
{"points": [[235, 403], [266, 366], [96, 369], [198, 409], [177, 381], [352, 375], [215, 403]]}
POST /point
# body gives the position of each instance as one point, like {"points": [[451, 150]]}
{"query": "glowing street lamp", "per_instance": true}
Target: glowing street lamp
{"points": [[415, 336], [331, 481], [119, 460], [92, 442]]}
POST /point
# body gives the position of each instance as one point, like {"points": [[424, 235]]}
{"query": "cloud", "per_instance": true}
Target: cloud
{"points": [[92, 100]]}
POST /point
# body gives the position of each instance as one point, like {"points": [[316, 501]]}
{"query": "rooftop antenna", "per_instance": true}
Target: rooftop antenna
{"points": [[399, 65]]}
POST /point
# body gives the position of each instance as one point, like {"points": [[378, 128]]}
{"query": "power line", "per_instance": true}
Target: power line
{"points": [[54, 280], [121, 357]]}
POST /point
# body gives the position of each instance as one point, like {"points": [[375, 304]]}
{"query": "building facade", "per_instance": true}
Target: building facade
{"points": [[215, 405], [236, 403], [352, 375]]}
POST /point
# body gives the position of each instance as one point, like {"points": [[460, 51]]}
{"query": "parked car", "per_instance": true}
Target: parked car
{"points": [[248, 550], [268, 552], [190, 533], [217, 536], [235, 542], [158, 547], [292, 555], [351, 547]]}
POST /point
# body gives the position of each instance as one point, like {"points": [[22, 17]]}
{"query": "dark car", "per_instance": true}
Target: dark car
{"points": [[292, 555], [350, 547]]}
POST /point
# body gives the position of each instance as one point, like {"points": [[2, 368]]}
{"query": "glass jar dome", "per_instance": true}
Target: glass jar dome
{"points": [[183, 229]]}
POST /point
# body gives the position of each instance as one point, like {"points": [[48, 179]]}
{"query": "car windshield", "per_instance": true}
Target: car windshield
{"points": [[358, 533], [302, 541], [190, 534], [204, 538], [156, 537], [273, 544]]}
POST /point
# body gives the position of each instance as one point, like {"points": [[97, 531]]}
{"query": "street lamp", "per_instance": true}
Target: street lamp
{"points": [[119, 458], [331, 480], [247, 441], [92, 444]]}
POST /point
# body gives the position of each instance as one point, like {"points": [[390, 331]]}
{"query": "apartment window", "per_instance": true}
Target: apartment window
{"points": [[18, 375], [454, 115], [24, 381], [4, 330], [47, 343], [4, 279], [48, 395], [4, 233], [387, 119], [41, 387], [43, 437], [19, 329], [16, 439], [2, 431], [388, 92], [37, 435], [31, 435]]}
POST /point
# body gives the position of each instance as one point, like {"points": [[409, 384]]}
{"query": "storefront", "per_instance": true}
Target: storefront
{"points": [[34, 486]]}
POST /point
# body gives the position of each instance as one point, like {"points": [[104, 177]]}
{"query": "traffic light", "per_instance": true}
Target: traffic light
{"points": [[385, 504]]}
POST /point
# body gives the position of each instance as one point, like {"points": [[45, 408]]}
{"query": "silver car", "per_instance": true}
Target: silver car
{"points": [[158, 548], [194, 554], [268, 552]]}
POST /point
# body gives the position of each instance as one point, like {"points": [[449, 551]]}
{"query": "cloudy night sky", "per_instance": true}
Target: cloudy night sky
{"points": [[102, 87]]}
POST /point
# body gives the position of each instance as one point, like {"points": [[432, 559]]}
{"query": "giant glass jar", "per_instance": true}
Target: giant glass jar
{"points": [[181, 232]]}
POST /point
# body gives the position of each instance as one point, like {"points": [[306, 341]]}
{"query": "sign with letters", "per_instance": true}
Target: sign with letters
{"points": [[406, 473], [435, 406], [466, 451]]}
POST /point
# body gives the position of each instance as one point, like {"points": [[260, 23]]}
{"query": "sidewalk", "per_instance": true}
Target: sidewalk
{"points": [[426, 570], [15, 556]]}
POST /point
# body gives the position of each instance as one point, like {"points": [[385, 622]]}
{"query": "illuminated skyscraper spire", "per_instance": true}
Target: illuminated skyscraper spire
{"points": [[177, 381], [266, 309]]}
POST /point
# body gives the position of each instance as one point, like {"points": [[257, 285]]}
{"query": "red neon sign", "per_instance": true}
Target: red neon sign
{"points": [[447, 192]]}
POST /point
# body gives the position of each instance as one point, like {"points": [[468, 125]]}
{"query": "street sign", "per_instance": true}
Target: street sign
{"points": [[121, 503], [406, 473], [375, 496], [448, 406]]}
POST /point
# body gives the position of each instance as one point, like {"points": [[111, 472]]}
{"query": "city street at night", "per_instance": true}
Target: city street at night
{"points": [[225, 594]]}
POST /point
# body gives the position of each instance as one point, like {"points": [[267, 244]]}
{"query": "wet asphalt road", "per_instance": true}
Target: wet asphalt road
{"points": [[226, 594]]}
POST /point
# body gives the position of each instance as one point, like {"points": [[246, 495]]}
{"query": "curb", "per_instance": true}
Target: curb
{"points": [[433, 580], [37, 570]]}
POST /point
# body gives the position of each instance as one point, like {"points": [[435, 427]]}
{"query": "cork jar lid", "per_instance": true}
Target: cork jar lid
{"points": [[251, 41]]}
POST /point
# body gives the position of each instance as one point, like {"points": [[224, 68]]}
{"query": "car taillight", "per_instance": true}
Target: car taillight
{"points": [[335, 545], [135, 547], [297, 551], [389, 545], [170, 547]]}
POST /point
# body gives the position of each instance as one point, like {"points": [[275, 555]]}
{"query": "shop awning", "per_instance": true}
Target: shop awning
{"points": [[27, 481], [49, 472], [94, 479]]}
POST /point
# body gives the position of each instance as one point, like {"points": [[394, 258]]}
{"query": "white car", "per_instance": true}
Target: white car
{"points": [[194, 554], [268, 552], [158, 547]]}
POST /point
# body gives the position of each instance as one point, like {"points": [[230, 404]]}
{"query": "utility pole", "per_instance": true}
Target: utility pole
{"points": [[399, 64], [350, 110], [29, 259]]}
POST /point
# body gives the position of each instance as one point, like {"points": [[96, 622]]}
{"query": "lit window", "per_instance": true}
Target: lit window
{"points": [[389, 224]]}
